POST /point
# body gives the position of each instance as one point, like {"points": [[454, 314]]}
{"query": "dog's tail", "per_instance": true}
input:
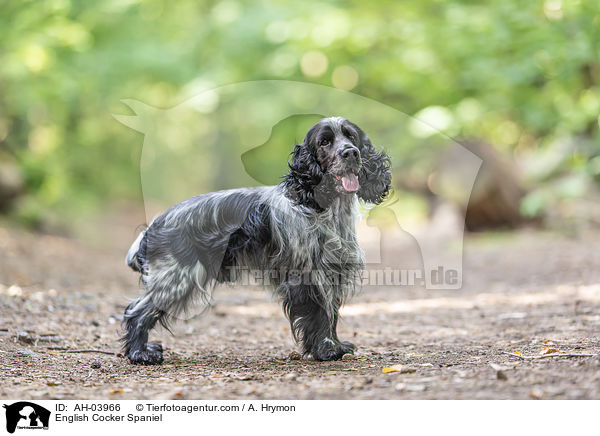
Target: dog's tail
{"points": [[137, 252]]}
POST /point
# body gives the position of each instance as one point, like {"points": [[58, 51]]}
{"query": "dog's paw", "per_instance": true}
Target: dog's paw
{"points": [[152, 355], [329, 349], [348, 347]]}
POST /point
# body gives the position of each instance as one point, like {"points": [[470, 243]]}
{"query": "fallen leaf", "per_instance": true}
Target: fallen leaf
{"points": [[518, 353], [398, 368], [536, 394], [295, 356], [549, 350], [116, 391], [394, 368]]}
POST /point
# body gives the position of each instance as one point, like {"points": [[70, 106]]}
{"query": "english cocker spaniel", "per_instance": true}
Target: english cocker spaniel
{"points": [[300, 234]]}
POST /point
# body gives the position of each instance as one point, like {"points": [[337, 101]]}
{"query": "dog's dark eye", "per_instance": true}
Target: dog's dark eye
{"points": [[324, 142]]}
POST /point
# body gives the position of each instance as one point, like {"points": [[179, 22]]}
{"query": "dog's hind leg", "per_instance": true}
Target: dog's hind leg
{"points": [[170, 287], [140, 317]]}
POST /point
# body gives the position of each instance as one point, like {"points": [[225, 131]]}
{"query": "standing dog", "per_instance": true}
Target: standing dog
{"points": [[301, 232]]}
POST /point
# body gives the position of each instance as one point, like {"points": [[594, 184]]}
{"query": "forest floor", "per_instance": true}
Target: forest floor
{"points": [[529, 292]]}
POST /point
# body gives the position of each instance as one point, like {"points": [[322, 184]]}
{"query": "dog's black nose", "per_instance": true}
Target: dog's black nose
{"points": [[349, 152]]}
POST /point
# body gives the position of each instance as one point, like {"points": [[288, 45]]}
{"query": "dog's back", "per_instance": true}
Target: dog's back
{"points": [[195, 230]]}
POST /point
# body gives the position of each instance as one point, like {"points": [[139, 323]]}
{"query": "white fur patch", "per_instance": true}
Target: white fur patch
{"points": [[134, 249]]}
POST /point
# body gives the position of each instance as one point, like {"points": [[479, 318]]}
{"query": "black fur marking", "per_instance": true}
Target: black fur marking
{"points": [[253, 238], [374, 177]]}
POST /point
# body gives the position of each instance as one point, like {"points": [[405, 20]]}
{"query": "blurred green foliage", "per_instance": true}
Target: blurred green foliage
{"points": [[523, 76]]}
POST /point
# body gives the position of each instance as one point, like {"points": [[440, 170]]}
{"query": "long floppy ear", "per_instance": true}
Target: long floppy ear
{"points": [[305, 174], [375, 177]]}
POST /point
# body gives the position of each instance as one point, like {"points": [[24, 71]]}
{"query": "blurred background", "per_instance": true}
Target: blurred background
{"points": [[517, 83], [113, 110]]}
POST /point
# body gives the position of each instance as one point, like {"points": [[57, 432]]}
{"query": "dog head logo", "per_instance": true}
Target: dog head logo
{"points": [[26, 415], [240, 135]]}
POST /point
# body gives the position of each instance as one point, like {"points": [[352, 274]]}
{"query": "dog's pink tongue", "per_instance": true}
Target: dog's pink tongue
{"points": [[350, 182]]}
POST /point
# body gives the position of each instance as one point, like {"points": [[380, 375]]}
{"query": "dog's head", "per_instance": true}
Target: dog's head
{"points": [[336, 159]]}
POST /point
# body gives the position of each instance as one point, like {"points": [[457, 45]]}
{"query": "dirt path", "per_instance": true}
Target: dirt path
{"points": [[523, 292]]}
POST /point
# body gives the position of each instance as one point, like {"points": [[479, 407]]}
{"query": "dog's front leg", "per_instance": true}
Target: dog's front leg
{"points": [[314, 323]]}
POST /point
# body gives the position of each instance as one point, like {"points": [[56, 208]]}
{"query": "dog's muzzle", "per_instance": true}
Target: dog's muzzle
{"points": [[349, 160]]}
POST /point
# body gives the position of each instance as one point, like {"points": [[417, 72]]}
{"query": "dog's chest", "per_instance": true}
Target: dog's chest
{"points": [[326, 242], [307, 240]]}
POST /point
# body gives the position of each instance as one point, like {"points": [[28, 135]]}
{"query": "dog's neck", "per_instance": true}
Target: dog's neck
{"points": [[341, 205], [320, 199]]}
